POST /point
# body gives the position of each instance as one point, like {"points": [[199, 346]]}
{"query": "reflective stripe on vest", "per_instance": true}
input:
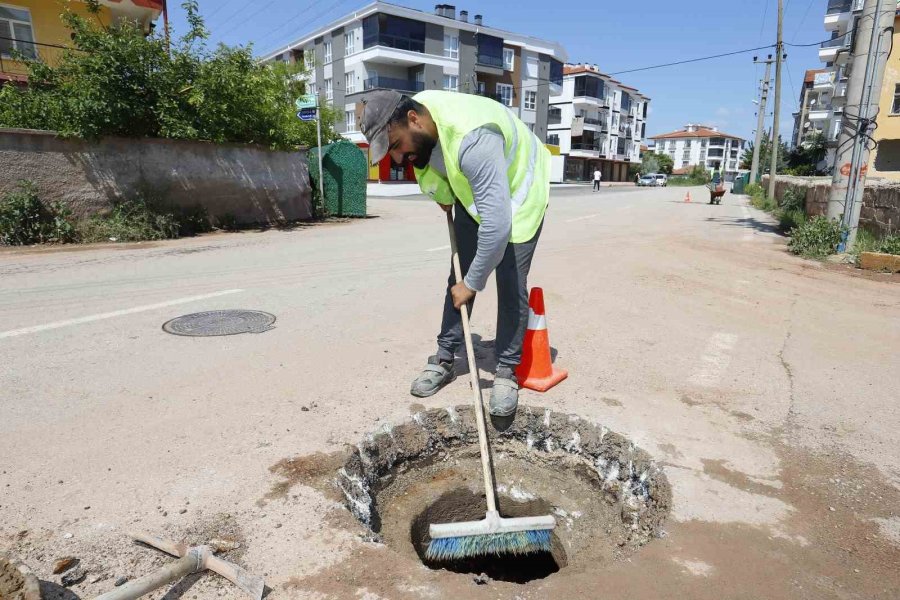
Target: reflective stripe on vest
{"points": [[527, 160]]}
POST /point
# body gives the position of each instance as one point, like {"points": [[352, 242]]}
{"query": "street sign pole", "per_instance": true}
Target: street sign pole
{"points": [[321, 178]]}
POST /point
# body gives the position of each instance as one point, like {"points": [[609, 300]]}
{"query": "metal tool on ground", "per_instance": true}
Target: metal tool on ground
{"points": [[190, 560], [493, 534]]}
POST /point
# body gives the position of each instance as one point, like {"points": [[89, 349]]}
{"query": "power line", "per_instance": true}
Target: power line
{"points": [[693, 60], [803, 20], [311, 21], [219, 8], [245, 18]]}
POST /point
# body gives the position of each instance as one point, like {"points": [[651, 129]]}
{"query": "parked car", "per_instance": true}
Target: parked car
{"points": [[647, 180], [662, 180]]}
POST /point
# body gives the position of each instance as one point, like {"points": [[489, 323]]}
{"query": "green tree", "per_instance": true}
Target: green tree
{"points": [[649, 164], [666, 163], [765, 158], [118, 81]]}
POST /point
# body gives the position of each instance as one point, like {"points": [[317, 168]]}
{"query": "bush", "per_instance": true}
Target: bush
{"points": [[789, 219], [890, 244], [117, 81], [754, 189], [141, 219], [794, 199], [24, 219], [816, 238], [867, 242]]}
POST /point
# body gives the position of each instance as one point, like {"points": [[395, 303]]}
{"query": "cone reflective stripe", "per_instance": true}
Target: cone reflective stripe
{"points": [[536, 371]]}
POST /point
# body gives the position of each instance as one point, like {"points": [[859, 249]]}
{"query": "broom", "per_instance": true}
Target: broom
{"points": [[493, 534]]}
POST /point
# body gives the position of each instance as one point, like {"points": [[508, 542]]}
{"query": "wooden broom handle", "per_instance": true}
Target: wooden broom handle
{"points": [[476, 385]]}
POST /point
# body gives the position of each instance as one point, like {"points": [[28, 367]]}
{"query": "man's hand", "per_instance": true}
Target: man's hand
{"points": [[461, 294], [445, 207]]}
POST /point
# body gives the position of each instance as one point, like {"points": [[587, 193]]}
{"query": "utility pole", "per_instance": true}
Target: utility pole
{"points": [[760, 122], [779, 51], [868, 58]]}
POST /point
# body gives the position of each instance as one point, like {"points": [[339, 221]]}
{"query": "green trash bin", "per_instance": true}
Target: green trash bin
{"points": [[344, 169], [740, 182]]}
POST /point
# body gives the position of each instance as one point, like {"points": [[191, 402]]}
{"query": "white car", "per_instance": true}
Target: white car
{"points": [[647, 180], [662, 180]]}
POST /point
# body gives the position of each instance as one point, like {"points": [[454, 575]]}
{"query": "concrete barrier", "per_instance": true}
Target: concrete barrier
{"points": [[250, 184]]}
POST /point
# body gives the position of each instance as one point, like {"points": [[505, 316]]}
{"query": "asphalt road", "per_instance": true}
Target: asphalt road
{"points": [[766, 384]]}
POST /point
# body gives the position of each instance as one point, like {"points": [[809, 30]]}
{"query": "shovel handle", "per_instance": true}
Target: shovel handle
{"points": [[476, 384]]}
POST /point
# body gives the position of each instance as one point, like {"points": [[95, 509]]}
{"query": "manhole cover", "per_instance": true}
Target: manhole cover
{"points": [[220, 322]]}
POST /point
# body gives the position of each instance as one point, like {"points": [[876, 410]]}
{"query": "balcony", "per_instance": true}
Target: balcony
{"points": [[838, 13], [820, 113], [593, 122], [824, 81], [380, 82], [554, 116], [828, 51], [586, 150]]}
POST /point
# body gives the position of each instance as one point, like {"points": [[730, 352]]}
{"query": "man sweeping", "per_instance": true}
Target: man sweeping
{"points": [[473, 152]]}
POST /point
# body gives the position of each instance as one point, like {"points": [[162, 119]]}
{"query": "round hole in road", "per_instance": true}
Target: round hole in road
{"points": [[462, 504], [608, 497]]}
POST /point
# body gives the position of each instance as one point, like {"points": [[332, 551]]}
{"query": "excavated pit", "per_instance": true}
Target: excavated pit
{"points": [[608, 496]]}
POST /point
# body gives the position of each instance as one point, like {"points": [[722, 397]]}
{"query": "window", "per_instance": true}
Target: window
{"points": [[395, 32], [530, 100], [349, 44], [556, 72], [554, 115], [509, 59], [312, 89], [451, 83], [505, 94], [895, 108], [490, 51], [309, 59], [553, 139], [451, 46], [329, 90], [328, 52], [686, 156], [350, 82], [15, 26], [350, 120], [589, 86]]}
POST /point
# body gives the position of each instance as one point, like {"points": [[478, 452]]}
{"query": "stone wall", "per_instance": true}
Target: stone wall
{"points": [[249, 183], [880, 211]]}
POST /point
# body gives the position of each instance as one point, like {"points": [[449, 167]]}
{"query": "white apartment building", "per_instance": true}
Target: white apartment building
{"points": [[829, 91], [702, 145], [596, 122], [386, 46]]}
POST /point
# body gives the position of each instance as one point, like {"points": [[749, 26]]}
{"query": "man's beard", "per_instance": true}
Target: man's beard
{"points": [[424, 145]]}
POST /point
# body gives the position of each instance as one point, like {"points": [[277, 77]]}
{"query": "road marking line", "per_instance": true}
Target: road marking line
{"points": [[438, 248], [582, 218], [716, 358], [110, 315]]}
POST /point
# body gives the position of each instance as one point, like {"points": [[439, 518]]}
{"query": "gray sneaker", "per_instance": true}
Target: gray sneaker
{"points": [[505, 393], [436, 375]]}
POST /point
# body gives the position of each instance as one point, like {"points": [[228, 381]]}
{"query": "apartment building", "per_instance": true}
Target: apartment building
{"points": [[884, 160], [33, 29], [811, 97], [830, 86], [702, 145], [594, 122], [386, 46]]}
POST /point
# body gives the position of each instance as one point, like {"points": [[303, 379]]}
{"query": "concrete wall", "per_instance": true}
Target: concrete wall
{"points": [[880, 212], [884, 160], [253, 184]]}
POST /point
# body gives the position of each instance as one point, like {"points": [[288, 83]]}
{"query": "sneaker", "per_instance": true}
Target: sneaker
{"points": [[505, 393], [436, 375]]}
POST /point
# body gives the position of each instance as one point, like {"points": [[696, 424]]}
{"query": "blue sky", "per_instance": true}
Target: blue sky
{"points": [[626, 35]]}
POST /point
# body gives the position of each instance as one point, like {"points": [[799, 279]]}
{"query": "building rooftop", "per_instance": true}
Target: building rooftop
{"points": [[811, 74], [696, 131], [577, 69]]}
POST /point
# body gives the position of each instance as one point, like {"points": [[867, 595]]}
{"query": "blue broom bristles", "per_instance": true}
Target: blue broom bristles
{"points": [[518, 542]]}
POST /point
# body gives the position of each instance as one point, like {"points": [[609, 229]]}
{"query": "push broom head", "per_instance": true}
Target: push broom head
{"points": [[491, 535]]}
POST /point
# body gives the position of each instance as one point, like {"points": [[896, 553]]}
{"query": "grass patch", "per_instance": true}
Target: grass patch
{"points": [[790, 219], [141, 219], [25, 219], [816, 238], [868, 242]]}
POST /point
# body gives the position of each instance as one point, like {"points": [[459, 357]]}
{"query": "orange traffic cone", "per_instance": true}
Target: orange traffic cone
{"points": [[687, 197], [536, 371]]}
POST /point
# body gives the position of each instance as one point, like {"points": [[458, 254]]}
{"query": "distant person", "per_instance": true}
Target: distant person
{"points": [[597, 177]]}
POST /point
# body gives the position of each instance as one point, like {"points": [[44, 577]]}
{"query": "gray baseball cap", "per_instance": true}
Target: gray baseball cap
{"points": [[377, 108]]}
